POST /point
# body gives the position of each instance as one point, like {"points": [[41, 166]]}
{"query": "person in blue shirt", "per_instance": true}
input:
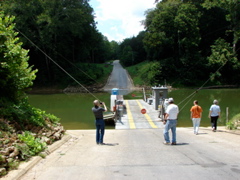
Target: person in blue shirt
{"points": [[214, 114]]}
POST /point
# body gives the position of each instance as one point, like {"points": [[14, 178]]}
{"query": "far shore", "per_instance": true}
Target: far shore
{"points": [[99, 88]]}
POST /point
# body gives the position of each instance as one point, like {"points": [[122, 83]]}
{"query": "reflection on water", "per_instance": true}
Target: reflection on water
{"points": [[75, 109], [120, 91]]}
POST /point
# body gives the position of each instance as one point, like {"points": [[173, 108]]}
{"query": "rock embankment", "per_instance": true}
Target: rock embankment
{"points": [[80, 89], [13, 150]]}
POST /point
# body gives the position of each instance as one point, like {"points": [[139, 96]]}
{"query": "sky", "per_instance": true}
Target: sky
{"points": [[120, 19]]}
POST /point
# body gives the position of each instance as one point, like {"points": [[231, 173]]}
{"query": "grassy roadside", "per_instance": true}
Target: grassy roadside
{"points": [[147, 73], [136, 72], [107, 69]]}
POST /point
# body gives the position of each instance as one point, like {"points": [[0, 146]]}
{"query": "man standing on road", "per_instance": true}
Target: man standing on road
{"points": [[99, 121], [171, 118]]}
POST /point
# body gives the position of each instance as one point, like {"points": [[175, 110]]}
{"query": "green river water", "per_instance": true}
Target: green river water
{"points": [[74, 110]]}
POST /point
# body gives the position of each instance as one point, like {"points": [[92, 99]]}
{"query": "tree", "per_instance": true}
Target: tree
{"points": [[127, 56], [16, 74], [222, 55], [64, 30], [114, 50], [131, 50], [187, 25], [232, 7], [161, 33]]}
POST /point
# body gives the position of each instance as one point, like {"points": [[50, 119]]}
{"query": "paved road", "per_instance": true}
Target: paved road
{"points": [[119, 79], [140, 154]]}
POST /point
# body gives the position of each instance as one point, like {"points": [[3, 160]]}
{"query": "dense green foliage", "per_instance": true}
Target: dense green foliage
{"points": [[16, 76], [179, 35], [32, 145], [60, 31], [193, 40]]}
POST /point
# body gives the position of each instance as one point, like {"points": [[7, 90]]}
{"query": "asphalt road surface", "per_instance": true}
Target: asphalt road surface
{"points": [[120, 79], [140, 154]]}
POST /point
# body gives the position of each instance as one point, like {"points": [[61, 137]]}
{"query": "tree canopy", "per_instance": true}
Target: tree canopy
{"points": [[180, 35], [63, 30], [183, 37]]}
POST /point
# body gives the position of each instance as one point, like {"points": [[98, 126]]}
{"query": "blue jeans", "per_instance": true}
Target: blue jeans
{"points": [[100, 129], [171, 124]]}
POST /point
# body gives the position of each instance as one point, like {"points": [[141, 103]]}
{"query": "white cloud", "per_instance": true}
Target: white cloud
{"points": [[119, 19]]}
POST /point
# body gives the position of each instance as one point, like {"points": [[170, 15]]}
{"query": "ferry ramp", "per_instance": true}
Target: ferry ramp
{"points": [[134, 119]]}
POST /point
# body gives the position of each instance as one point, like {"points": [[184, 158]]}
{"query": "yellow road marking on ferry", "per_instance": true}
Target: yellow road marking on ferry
{"points": [[147, 116], [130, 118]]}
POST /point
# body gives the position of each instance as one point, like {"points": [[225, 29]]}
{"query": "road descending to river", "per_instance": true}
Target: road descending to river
{"points": [[135, 150], [120, 79]]}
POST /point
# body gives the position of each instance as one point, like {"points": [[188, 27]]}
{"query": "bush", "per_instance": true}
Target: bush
{"points": [[234, 123], [24, 114], [33, 145]]}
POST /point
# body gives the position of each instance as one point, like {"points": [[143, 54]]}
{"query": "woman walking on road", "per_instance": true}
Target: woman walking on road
{"points": [[214, 114], [196, 115]]}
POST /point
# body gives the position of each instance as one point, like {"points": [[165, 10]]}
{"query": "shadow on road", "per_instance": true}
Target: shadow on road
{"points": [[110, 144], [181, 144]]}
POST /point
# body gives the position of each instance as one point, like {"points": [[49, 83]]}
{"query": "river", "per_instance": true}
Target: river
{"points": [[74, 110]]}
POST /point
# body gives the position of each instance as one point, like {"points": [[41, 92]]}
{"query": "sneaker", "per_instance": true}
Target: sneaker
{"points": [[174, 143], [166, 143]]}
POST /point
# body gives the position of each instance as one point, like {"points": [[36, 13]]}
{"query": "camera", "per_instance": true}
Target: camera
{"points": [[100, 102]]}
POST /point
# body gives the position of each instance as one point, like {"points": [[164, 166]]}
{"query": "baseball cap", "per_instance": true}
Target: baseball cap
{"points": [[170, 100]]}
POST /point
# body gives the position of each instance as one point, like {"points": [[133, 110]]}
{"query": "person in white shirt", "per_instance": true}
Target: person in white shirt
{"points": [[171, 118], [214, 114]]}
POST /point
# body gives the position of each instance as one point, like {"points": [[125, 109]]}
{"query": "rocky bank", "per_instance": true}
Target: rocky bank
{"points": [[13, 151]]}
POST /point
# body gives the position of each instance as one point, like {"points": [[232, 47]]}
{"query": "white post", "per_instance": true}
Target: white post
{"points": [[226, 114], [144, 95]]}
